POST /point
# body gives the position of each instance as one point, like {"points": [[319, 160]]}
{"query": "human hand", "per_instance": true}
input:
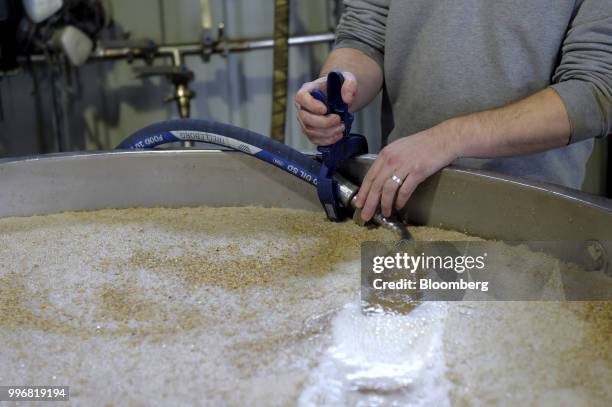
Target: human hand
{"points": [[320, 128], [411, 159]]}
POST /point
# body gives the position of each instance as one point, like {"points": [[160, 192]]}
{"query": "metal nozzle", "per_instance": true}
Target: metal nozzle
{"points": [[392, 224], [348, 193]]}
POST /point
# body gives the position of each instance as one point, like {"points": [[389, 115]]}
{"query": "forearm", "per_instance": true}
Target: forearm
{"points": [[367, 72], [537, 123], [532, 125]]}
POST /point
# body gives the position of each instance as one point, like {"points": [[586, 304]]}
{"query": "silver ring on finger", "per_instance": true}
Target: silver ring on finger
{"points": [[397, 179]]}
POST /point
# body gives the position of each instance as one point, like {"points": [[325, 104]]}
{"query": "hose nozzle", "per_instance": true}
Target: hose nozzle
{"points": [[348, 196], [391, 223]]}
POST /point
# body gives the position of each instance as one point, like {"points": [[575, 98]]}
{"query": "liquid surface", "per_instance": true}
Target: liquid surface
{"points": [[235, 306]]}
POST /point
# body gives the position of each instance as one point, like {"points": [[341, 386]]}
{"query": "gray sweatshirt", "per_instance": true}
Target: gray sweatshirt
{"points": [[444, 58]]}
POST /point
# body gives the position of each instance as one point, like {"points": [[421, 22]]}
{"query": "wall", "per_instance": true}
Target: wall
{"points": [[108, 103]]}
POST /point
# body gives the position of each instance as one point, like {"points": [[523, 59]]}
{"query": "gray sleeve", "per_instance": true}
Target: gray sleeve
{"points": [[363, 26], [583, 78]]}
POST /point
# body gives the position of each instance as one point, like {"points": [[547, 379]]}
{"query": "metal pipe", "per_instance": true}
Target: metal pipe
{"points": [[347, 193], [187, 49]]}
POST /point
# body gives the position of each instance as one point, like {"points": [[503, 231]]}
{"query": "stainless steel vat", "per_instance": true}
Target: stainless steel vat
{"points": [[479, 203]]}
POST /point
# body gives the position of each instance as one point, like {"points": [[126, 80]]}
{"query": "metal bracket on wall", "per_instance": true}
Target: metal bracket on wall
{"points": [[180, 76]]}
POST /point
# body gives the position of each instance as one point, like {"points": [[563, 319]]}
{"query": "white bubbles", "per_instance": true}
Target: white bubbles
{"points": [[382, 357]]}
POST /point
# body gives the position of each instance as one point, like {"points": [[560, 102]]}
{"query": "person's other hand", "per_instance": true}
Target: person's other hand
{"points": [[411, 159], [320, 128]]}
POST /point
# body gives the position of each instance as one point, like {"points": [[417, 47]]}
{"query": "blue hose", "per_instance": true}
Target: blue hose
{"points": [[245, 141], [236, 138]]}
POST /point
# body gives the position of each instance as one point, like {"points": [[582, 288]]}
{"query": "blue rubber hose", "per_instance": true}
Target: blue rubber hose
{"points": [[248, 142], [236, 138]]}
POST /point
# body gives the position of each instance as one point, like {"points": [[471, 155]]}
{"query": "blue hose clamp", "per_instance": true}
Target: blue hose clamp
{"points": [[334, 155]]}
